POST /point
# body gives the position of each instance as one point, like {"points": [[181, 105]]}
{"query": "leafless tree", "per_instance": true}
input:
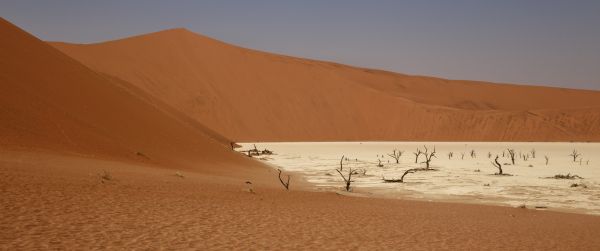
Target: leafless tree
{"points": [[428, 156], [401, 180], [489, 155], [473, 154], [511, 154], [497, 165], [547, 159], [462, 155], [285, 184], [533, 153], [575, 155], [417, 154], [450, 154], [348, 180], [253, 152], [396, 155]]}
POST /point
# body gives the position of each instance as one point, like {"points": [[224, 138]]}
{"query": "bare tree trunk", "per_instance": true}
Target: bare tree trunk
{"points": [[401, 180], [511, 154], [285, 184], [497, 165]]}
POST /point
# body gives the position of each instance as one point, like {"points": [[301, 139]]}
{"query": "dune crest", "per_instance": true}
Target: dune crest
{"points": [[249, 95]]}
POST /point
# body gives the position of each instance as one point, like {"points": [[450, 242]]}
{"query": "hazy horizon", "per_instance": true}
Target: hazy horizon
{"points": [[552, 43]]}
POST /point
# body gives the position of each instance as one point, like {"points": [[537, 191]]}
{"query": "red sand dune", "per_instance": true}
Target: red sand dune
{"points": [[52, 102], [249, 95]]}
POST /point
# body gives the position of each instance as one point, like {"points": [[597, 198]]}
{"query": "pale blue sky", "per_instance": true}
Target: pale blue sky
{"points": [[545, 42]]}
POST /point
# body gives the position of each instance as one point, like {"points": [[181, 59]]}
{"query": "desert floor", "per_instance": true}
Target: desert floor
{"points": [[57, 201], [531, 180]]}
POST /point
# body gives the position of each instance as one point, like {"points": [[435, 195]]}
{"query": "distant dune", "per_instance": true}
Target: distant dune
{"points": [[51, 102], [249, 95]]}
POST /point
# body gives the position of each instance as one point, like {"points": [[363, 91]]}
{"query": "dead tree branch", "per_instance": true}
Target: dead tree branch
{"points": [[285, 184], [511, 154], [401, 180], [497, 165]]}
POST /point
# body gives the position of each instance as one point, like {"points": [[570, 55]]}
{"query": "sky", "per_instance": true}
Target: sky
{"points": [[543, 42]]}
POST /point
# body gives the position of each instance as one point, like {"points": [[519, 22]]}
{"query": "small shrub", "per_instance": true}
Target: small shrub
{"points": [[578, 185], [567, 176]]}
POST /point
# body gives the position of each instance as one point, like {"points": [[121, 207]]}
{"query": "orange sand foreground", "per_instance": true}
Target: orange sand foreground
{"points": [[55, 201]]}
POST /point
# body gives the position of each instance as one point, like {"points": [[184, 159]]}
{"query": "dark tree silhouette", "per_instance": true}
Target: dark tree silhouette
{"points": [[396, 155], [497, 165], [285, 184], [511, 154], [575, 155]]}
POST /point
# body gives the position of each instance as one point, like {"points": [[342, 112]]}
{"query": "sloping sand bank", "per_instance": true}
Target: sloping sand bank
{"points": [[59, 202]]}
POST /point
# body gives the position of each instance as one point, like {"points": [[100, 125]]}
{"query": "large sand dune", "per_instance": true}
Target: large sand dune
{"points": [[249, 95], [51, 102]]}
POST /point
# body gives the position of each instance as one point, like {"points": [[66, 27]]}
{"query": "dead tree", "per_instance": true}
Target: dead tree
{"points": [[473, 154], [347, 180], [575, 155], [511, 154], [497, 165], [545, 156], [253, 152], [533, 153], [285, 184], [417, 154], [341, 165], [396, 155], [450, 154], [462, 155], [428, 156], [401, 180], [489, 155]]}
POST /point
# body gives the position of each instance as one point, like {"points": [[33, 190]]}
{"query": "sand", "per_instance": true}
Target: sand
{"points": [[295, 99], [91, 161], [54, 201]]}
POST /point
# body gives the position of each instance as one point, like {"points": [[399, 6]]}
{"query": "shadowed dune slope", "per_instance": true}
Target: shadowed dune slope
{"points": [[52, 102], [255, 96]]}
